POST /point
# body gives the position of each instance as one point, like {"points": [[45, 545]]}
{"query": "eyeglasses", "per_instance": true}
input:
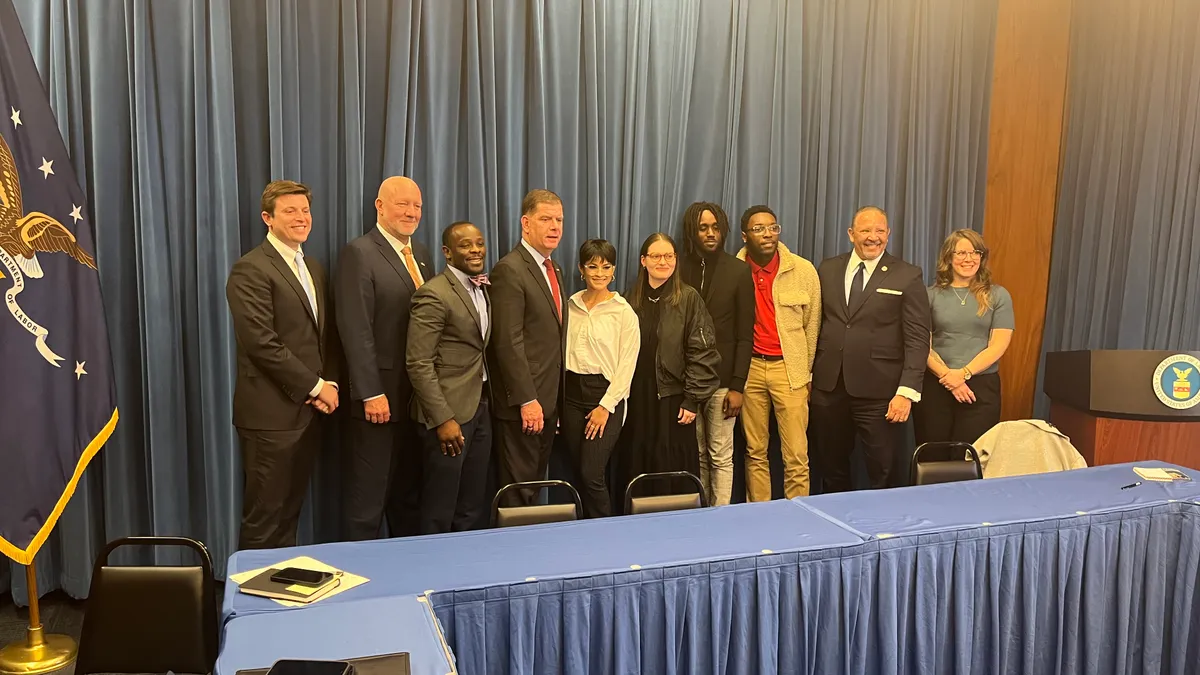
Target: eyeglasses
{"points": [[660, 257], [759, 229], [963, 255]]}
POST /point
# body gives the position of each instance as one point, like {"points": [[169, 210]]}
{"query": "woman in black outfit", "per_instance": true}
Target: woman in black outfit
{"points": [[676, 371]]}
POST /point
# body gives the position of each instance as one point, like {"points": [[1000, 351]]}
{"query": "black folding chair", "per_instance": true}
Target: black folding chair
{"points": [[951, 466], [153, 619], [659, 503], [514, 516]]}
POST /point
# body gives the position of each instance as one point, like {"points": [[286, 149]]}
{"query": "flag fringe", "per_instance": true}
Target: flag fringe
{"points": [[25, 556]]}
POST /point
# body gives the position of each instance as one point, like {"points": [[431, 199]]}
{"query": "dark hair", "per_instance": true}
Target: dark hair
{"points": [[597, 248], [690, 225], [280, 188], [754, 211], [451, 228], [535, 198], [674, 293]]}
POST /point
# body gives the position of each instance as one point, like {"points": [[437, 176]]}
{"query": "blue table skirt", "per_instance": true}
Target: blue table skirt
{"points": [[1107, 593]]}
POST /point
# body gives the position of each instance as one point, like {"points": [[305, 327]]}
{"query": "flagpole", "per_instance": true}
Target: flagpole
{"points": [[40, 653]]}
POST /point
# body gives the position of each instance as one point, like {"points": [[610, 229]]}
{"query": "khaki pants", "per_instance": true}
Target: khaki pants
{"points": [[714, 435], [767, 387]]}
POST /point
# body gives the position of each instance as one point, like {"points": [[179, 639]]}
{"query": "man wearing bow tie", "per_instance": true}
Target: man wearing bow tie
{"points": [[871, 352], [286, 367], [448, 331], [376, 277]]}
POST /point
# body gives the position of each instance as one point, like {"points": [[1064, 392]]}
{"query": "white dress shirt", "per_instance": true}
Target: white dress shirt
{"points": [[481, 306], [852, 269], [400, 248], [289, 256], [604, 341]]}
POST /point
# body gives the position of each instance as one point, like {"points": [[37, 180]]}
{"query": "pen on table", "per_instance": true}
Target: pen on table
{"points": [[1126, 487]]}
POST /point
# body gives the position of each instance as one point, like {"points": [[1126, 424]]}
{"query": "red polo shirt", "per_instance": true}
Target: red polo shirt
{"points": [[766, 333]]}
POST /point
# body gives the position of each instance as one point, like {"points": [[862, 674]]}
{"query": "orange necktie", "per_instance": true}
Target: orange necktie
{"points": [[411, 264]]}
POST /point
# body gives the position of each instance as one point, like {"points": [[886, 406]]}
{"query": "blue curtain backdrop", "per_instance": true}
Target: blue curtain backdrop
{"points": [[1125, 271], [179, 113]]}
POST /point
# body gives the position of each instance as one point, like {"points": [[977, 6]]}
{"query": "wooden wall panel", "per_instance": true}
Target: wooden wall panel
{"points": [[1029, 82]]}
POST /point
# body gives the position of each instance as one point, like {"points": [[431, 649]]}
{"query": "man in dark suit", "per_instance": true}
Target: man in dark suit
{"points": [[376, 277], [447, 337], [728, 291], [528, 334], [286, 367], [871, 352]]}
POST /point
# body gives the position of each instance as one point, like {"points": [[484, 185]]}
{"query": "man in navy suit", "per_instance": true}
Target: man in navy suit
{"points": [[528, 336], [871, 352], [376, 277], [286, 367]]}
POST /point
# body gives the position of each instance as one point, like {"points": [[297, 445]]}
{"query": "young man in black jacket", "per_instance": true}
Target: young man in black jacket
{"points": [[724, 283]]}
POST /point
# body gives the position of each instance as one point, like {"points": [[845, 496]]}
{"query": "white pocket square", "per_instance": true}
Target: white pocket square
{"points": [[889, 291]]}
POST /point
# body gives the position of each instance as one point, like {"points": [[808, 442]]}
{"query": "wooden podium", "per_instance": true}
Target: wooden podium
{"points": [[1105, 401]]}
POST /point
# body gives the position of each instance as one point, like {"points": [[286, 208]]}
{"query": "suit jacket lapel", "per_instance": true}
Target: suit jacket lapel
{"points": [[882, 270], [838, 283], [319, 292], [389, 254], [537, 271], [290, 276], [465, 296]]}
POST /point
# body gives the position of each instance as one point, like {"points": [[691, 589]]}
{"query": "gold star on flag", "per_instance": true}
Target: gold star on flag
{"points": [[46, 168]]}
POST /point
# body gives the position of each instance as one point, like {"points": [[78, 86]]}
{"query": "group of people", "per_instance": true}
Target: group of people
{"points": [[439, 369]]}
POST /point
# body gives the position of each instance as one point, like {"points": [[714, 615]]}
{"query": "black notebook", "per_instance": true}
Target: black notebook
{"points": [[384, 664], [263, 586]]}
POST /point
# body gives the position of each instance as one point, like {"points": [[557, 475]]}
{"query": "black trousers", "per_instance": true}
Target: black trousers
{"points": [[381, 475], [590, 457], [276, 467], [940, 417], [453, 493], [523, 457], [840, 419]]}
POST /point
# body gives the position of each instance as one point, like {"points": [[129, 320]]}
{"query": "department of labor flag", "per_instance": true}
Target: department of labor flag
{"points": [[59, 402]]}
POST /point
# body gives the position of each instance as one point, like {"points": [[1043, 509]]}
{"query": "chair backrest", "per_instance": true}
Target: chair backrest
{"points": [[150, 619], [660, 503], [948, 468], [536, 514]]}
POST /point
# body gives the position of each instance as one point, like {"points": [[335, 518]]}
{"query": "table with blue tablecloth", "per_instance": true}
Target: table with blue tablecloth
{"points": [[1054, 573]]}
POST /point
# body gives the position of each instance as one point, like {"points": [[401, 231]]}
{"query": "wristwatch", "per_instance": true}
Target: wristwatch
{"points": [[966, 373]]}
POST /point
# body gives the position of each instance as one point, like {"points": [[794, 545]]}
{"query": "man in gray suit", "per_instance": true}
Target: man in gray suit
{"points": [[448, 330]]}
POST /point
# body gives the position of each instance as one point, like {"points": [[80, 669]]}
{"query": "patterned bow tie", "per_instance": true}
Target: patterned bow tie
{"points": [[480, 280]]}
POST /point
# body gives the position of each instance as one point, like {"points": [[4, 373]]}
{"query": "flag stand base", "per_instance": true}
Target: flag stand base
{"points": [[40, 653]]}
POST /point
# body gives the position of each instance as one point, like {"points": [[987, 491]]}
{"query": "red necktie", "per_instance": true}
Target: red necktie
{"points": [[554, 288]]}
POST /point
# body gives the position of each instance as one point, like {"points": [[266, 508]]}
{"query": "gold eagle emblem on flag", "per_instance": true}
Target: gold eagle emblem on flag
{"points": [[22, 237]]}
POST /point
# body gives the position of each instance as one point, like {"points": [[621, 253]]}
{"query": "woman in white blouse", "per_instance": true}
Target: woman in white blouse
{"points": [[603, 339]]}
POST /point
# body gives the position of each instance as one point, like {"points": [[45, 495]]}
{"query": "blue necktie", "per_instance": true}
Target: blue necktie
{"points": [[306, 282]]}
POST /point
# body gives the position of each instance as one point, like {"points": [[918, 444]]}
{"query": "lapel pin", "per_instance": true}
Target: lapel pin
{"points": [[884, 268]]}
